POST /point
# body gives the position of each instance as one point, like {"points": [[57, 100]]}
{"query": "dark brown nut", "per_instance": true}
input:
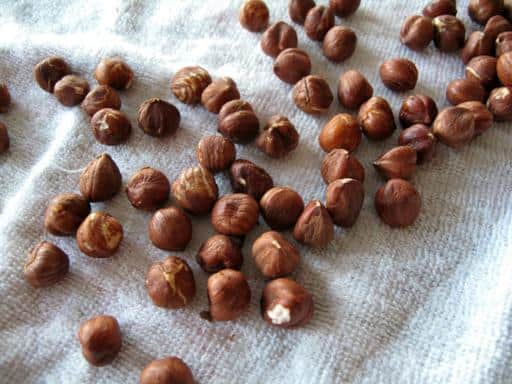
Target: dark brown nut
{"points": [[279, 137], [254, 15], [100, 338], [99, 235], [496, 25], [500, 103], [281, 207], [49, 71], [449, 33], [170, 229], [148, 189], [238, 122], [101, 97], [397, 163], [339, 44], [421, 139], [344, 200], [167, 370], [477, 44], [110, 126], [235, 214], [229, 295], [504, 68], [247, 177], [189, 83], [298, 10], [417, 32], [482, 10], [170, 283], [195, 190], [219, 252], [398, 203], [483, 69], [318, 21], [218, 93], [314, 227], [376, 119], [313, 95], [277, 38], [503, 43], [5, 98], [274, 255], [65, 213], [399, 75], [461, 90], [291, 65], [417, 109], [353, 89], [342, 131], [215, 153], [46, 265], [114, 72], [71, 90], [101, 180], [340, 164], [454, 126], [158, 118], [344, 8], [483, 117], [4, 138], [440, 7]]}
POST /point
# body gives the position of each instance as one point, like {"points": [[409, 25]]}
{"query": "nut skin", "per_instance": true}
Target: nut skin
{"points": [[417, 32], [344, 200], [314, 227], [46, 265], [254, 15], [483, 69], [503, 43], [449, 33], [238, 122], [101, 180], [397, 163], [274, 255], [247, 177], [496, 25], [49, 71], [114, 72], [110, 126], [100, 339], [170, 283], [65, 213], [189, 83], [101, 97], [4, 138], [215, 153], [399, 74], [454, 126], [482, 10], [278, 138], [340, 164], [298, 10], [5, 98], [99, 235], [281, 207], [218, 93], [219, 252], [229, 295], [339, 44], [319, 20], [71, 90], [342, 131], [504, 68], [461, 90], [376, 119], [167, 370], [398, 203], [344, 8], [148, 189], [419, 137], [440, 7], [277, 38], [158, 118], [170, 229], [500, 103], [291, 65], [483, 117], [195, 190], [353, 89], [313, 95], [235, 214], [477, 44], [417, 109]]}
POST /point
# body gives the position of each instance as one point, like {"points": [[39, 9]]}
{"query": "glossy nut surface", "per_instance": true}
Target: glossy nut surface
{"points": [[49, 71], [247, 177], [170, 229], [461, 90], [235, 214], [417, 32], [477, 44], [158, 118], [254, 15], [340, 164], [45, 265], [399, 75], [189, 83], [291, 65], [500, 103], [398, 203], [449, 33], [219, 252], [482, 10], [274, 255], [167, 370], [344, 8], [101, 96], [342, 131], [277, 38], [376, 119], [281, 207], [397, 163], [100, 339], [417, 109], [114, 72], [314, 226], [215, 153], [110, 126], [71, 90], [353, 89], [318, 22], [65, 213], [495, 25], [339, 44], [454, 126], [344, 200], [229, 295], [440, 7], [148, 189], [195, 190], [483, 69], [504, 68], [313, 95], [101, 179], [483, 117], [218, 93], [99, 235], [298, 10], [238, 122], [278, 138], [421, 139]]}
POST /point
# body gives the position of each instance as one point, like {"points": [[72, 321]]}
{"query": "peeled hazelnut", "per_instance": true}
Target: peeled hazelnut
{"points": [[238, 122], [247, 177], [195, 190], [503, 43], [148, 189], [417, 32], [278, 138], [314, 227], [318, 21], [189, 83], [419, 137], [277, 38], [215, 153], [376, 119], [344, 8], [500, 103], [254, 15], [398, 203], [482, 10], [274, 255], [219, 252], [218, 93], [313, 95], [4, 138], [454, 126], [114, 72], [353, 89], [449, 33], [298, 10], [344, 200], [170, 229], [461, 90], [281, 207], [399, 75], [397, 163], [50, 70], [170, 283], [483, 117], [342, 131], [101, 180], [417, 109], [99, 235], [235, 214], [340, 164], [100, 338], [5, 98], [110, 126], [339, 44], [496, 25], [46, 265], [158, 117], [504, 68], [440, 7], [477, 44], [71, 90], [483, 69], [229, 295], [168, 370], [101, 97], [291, 65], [65, 213]]}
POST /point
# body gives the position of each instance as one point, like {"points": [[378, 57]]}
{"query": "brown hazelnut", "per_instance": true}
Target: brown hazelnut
{"points": [[148, 189], [461, 90], [170, 229], [483, 69], [247, 177], [277, 38], [158, 118], [482, 10], [238, 122], [281, 207], [101, 180], [279, 137], [170, 283], [195, 190], [353, 89], [114, 72], [417, 32], [398, 203], [507, 9], [167, 370], [298, 9], [483, 117], [340, 164], [274, 255], [65, 213], [71, 90], [454, 126], [219, 252], [399, 75], [218, 93], [417, 109], [477, 44], [421, 139], [313, 95], [100, 338], [342, 131], [46, 265], [291, 65], [5, 98], [286, 304], [440, 7], [4, 138], [99, 235], [318, 21], [449, 33], [101, 97], [229, 295], [376, 119], [344, 200], [500, 103], [503, 43], [339, 44], [397, 163], [110, 126], [496, 25], [344, 8], [314, 227], [50, 70], [215, 153], [254, 15], [504, 68], [189, 83], [235, 214]]}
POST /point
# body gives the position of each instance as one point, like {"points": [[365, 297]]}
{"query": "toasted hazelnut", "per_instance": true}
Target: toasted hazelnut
{"points": [[376, 119], [342, 131], [503, 43], [101, 97], [219, 252], [496, 25], [247, 177], [461, 90], [110, 126], [500, 103], [114, 72], [504, 69], [170, 283], [254, 15], [344, 8], [215, 153], [195, 190], [278, 138], [344, 200], [100, 338], [65, 213], [482, 10], [291, 65], [449, 33], [314, 227], [477, 44], [339, 44], [454, 126], [238, 122], [313, 95], [277, 38], [235, 214], [101, 180], [340, 164], [440, 7], [421, 139], [281, 207], [170, 229], [399, 75], [417, 32], [4, 138], [353, 89], [417, 109], [397, 163], [228, 294], [189, 83], [298, 9], [483, 117], [5, 98], [158, 117], [398, 203], [483, 69], [274, 255], [167, 370], [319, 20], [50, 70], [46, 265], [71, 90], [218, 93], [99, 235], [148, 189]]}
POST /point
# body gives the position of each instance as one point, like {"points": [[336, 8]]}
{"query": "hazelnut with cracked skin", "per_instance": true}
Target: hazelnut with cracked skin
{"points": [[189, 83], [254, 15], [440, 7], [195, 190], [247, 177], [399, 74], [274, 255], [218, 93], [344, 200], [353, 89], [278, 138], [170, 229], [101, 97], [313, 95], [281, 207], [298, 10], [314, 226], [238, 122], [483, 117], [318, 22], [99, 235], [5, 98], [229, 295], [477, 44], [46, 265], [49, 71], [215, 153], [449, 33], [340, 164], [158, 117], [100, 339], [71, 90], [461, 90], [344, 8], [148, 189], [417, 32], [483, 69], [219, 252], [398, 203], [4, 138], [482, 10], [101, 180], [500, 103], [376, 119], [342, 131], [291, 65], [454, 126], [65, 213], [235, 214], [504, 69], [114, 72], [110, 126], [496, 25], [168, 370], [419, 137], [397, 163], [417, 109], [339, 44], [277, 38]]}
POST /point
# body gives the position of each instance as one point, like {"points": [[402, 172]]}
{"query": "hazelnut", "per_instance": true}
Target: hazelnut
{"points": [[5, 98], [170, 229], [195, 190], [461, 90], [50, 70], [417, 109], [503, 43], [482, 10], [215, 153], [344, 200], [291, 65], [454, 126], [500, 103], [229, 294], [254, 15], [353, 89], [496, 25], [342, 131], [298, 9], [507, 9], [99, 235], [399, 75], [238, 122], [219, 252], [376, 119], [110, 126], [274, 255], [440, 7], [46, 265], [114, 72], [397, 163], [170, 283], [281, 207], [313, 95], [483, 69], [398, 203], [218, 93], [477, 44], [235, 214], [340, 164], [189, 83], [504, 68], [4, 138], [71, 90], [417, 32], [319, 20], [421, 139], [101, 97], [314, 226], [247, 177], [277, 38], [158, 117], [65, 213], [148, 189], [101, 180], [344, 8], [339, 44], [449, 33], [100, 338], [483, 117], [279, 137], [167, 370]]}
